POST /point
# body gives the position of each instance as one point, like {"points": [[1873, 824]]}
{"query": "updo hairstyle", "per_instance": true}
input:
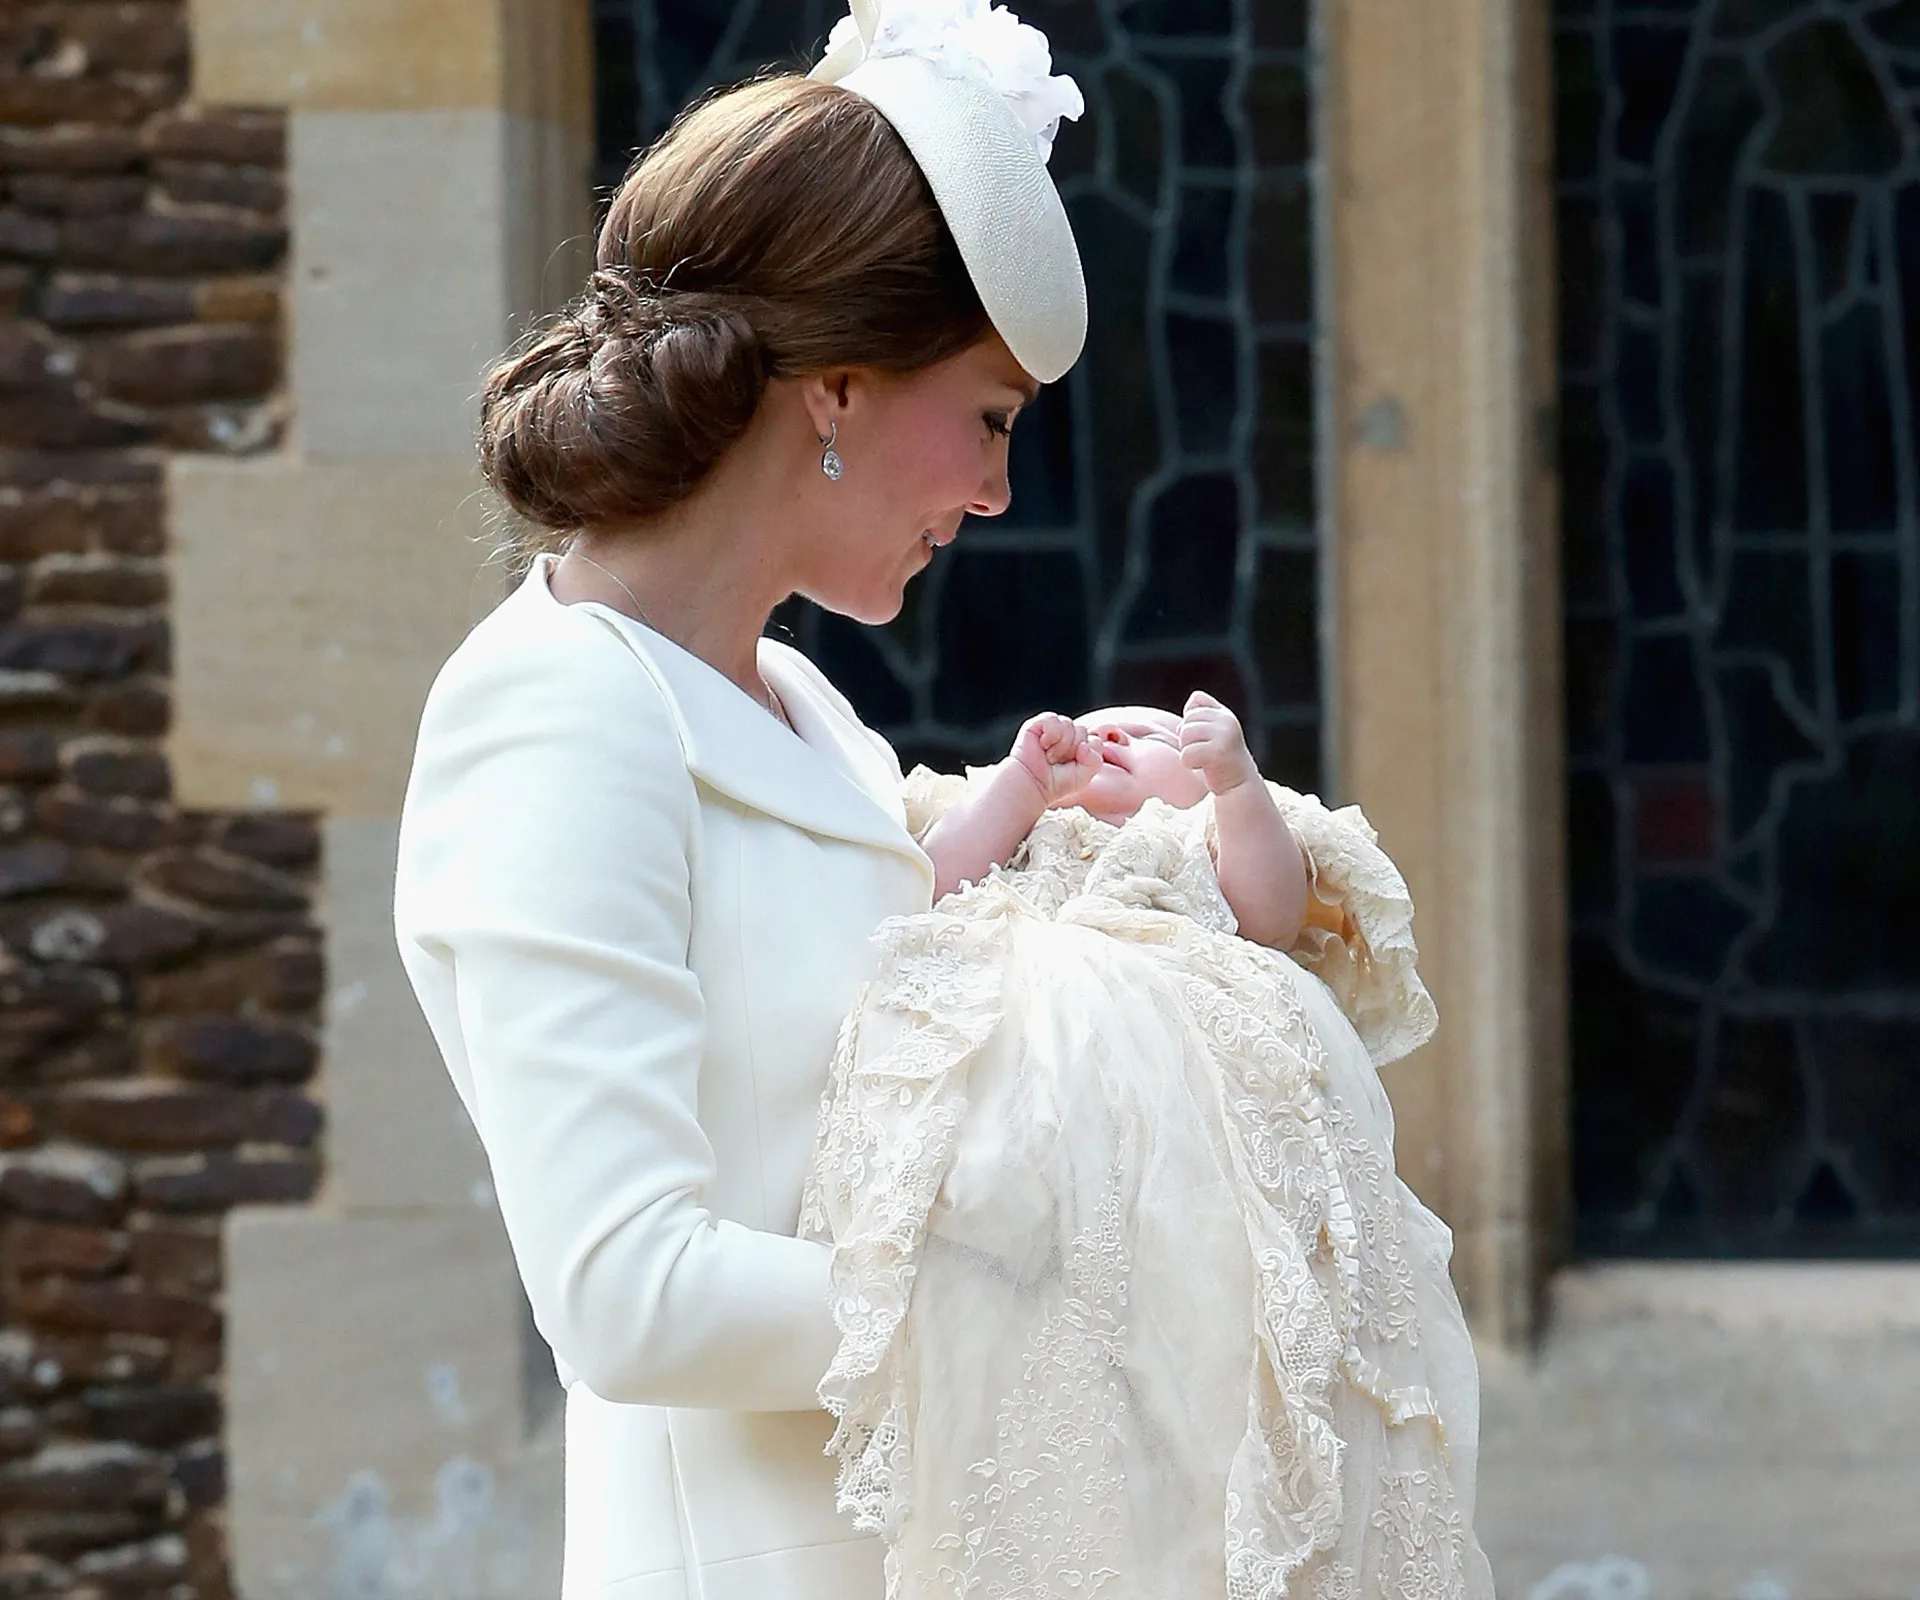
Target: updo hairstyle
{"points": [[777, 229]]}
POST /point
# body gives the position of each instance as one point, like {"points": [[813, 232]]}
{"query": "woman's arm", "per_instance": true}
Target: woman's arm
{"points": [[544, 911], [1262, 873], [1052, 761]]}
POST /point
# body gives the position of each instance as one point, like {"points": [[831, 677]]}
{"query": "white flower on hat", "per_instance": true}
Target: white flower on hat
{"points": [[963, 38]]}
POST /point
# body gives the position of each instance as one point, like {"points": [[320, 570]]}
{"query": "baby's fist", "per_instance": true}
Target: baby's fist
{"points": [[1056, 753], [1214, 745]]}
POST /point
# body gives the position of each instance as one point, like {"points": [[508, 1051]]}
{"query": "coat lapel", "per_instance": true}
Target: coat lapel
{"points": [[822, 775]]}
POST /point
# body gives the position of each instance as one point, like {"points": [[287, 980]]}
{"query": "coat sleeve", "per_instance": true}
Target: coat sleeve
{"points": [[544, 887]]}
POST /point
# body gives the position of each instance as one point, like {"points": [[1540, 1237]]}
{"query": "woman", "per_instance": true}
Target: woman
{"points": [[644, 849]]}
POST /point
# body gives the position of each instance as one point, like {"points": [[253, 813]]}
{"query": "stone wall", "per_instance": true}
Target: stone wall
{"points": [[160, 970]]}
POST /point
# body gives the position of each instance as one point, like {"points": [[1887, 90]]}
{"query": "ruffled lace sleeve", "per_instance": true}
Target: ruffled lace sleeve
{"points": [[927, 794], [1359, 934]]}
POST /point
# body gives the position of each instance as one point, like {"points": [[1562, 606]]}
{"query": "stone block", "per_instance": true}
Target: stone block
{"points": [[69, 147], [225, 883], [104, 769], [152, 1564], [160, 1418], [276, 838], [177, 366], [397, 1133], [177, 1256], [84, 1477], [389, 345], [174, 243], [375, 1404], [217, 183], [314, 602], [139, 708], [34, 1249], [1724, 1431], [220, 133], [62, 195], [219, 1181], [368, 54], [155, 1114], [113, 582], [64, 1183], [235, 1050], [64, 1534]]}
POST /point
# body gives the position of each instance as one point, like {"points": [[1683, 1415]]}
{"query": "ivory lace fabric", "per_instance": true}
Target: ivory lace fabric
{"points": [[1132, 1305]]}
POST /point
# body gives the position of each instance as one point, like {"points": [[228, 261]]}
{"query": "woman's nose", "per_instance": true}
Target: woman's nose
{"points": [[995, 494]]}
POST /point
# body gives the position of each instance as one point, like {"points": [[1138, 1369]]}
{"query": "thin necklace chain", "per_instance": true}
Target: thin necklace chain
{"points": [[771, 705]]}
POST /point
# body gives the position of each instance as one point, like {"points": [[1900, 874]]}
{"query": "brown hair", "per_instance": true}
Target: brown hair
{"points": [[776, 229]]}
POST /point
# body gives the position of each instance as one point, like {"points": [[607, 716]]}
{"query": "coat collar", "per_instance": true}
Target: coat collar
{"points": [[825, 774]]}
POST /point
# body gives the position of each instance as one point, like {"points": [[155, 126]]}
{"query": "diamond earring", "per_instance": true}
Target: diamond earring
{"points": [[830, 462]]}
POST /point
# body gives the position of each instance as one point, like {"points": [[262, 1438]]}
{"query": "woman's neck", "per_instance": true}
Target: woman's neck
{"points": [[700, 576]]}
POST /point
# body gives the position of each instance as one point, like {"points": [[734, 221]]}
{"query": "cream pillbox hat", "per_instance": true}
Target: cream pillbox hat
{"points": [[971, 91]]}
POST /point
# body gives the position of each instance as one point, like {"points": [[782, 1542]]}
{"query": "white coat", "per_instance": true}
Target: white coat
{"points": [[635, 909]]}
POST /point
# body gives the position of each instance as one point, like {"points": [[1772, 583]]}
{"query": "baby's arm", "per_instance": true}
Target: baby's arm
{"points": [[1051, 762], [1262, 873]]}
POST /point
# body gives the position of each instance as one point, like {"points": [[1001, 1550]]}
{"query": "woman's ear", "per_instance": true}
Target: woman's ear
{"points": [[827, 396]]}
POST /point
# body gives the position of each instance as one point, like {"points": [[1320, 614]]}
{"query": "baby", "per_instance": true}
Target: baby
{"points": [[1131, 1301], [1110, 763]]}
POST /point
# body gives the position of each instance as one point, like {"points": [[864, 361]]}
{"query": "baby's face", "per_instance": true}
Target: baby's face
{"points": [[1140, 761]]}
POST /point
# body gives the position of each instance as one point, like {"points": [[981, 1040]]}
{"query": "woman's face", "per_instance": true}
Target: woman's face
{"points": [[1139, 761], [921, 451]]}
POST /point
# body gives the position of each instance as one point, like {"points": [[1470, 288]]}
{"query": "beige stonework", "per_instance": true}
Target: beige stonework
{"points": [[313, 602], [521, 56], [1444, 587], [1720, 1431], [376, 1417]]}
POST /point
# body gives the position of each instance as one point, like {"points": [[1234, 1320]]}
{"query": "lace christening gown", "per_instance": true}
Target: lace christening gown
{"points": [[1132, 1304]]}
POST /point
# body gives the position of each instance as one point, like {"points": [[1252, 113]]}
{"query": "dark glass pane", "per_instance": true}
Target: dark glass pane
{"points": [[1769, 612], [1277, 109], [1194, 538], [1772, 458], [1715, 124], [1012, 634], [1590, 844], [1764, 741], [1646, 63], [1631, 1082], [1174, 18], [1280, 250], [1647, 514], [1869, 600], [1751, 1140], [1849, 854], [1675, 817], [1637, 211], [1203, 357], [1834, 120], [1871, 1101], [1579, 101], [1684, 928], [1286, 642], [1663, 718], [1200, 253], [1136, 131], [1283, 444], [1832, 215], [1856, 407]]}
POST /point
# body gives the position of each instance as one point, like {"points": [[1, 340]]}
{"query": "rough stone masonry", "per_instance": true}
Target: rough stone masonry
{"points": [[160, 972]]}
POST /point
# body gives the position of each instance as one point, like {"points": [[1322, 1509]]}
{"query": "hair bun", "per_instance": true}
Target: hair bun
{"points": [[618, 406]]}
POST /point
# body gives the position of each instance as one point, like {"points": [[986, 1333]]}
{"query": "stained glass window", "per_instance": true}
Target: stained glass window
{"points": [[1162, 530], [1739, 223]]}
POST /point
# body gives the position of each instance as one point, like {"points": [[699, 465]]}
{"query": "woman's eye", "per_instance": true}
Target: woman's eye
{"points": [[998, 425]]}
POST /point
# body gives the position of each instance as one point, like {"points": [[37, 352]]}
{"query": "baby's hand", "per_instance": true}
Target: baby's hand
{"points": [[1056, 753], [1213, 744]]}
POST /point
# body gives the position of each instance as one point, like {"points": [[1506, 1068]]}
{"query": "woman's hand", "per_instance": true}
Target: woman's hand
{"points": [[1214, 745], [1056, 753]]}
